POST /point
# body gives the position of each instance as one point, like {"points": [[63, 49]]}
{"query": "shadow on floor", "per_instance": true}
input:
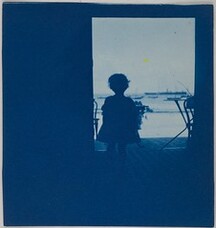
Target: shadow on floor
{"points": [[150, 144], [153, 187]]}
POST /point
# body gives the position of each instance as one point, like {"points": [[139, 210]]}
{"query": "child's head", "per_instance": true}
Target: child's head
{"points": [[118, 83]]}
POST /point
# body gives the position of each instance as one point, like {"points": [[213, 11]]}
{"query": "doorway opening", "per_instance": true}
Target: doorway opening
{"points": [[158, 57]]}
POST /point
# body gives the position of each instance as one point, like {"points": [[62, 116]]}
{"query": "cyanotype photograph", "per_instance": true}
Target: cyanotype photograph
{"points": [[108, 115]]}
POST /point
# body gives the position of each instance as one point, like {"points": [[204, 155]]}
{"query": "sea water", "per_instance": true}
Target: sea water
{"points": [[165, 120]]}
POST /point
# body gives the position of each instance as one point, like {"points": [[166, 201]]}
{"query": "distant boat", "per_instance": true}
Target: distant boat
{"points": [[167, 93], [153, 96], [137, 97], [173, 98]]}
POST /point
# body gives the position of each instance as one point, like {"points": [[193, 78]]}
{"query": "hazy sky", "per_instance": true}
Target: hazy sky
{"points": [[155, 53]]}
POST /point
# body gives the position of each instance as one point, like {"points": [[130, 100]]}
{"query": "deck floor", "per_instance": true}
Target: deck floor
{"points": [[153, 187]]}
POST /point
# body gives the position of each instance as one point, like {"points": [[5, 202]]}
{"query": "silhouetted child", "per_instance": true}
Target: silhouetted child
{"points": [[120, 116]]}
